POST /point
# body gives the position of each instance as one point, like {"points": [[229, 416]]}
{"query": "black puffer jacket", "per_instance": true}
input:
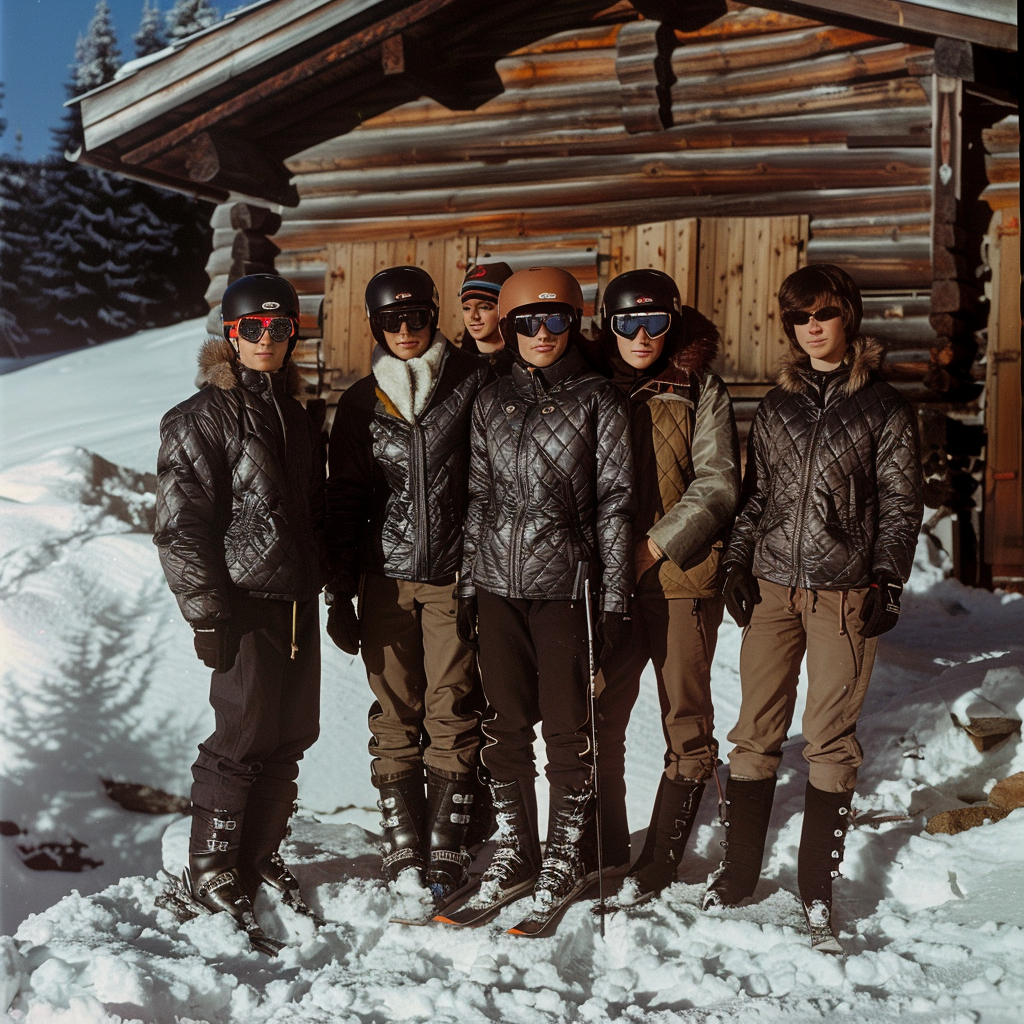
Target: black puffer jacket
{"points": [[833, 489], [551, 487], [239, 502], [396, 495]]}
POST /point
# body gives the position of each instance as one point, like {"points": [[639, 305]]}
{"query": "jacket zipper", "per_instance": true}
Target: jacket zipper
{"points": [[416, 470], [801, 514], [519, 522], [280, 415]]}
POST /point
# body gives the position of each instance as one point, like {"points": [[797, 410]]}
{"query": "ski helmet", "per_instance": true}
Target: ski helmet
{"points": [[538, 286], [260, 295], [640, 290], [398, 288]]}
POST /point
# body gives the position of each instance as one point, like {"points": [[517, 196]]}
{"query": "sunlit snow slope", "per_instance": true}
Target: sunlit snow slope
{"points": [[99, 681]]}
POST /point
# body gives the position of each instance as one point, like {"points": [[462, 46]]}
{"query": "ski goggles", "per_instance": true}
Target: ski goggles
{"points": [[251, 328], [627, 325], [530, 324], [390, 320], [799, 317]]}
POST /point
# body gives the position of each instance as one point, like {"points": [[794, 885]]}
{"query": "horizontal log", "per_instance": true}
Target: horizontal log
{"points": [[1002, 137], [746, 21], [1002, 168], [894, 227], [877, 263], [311, 234], [795, 119], [1002, 197], [896, 307], [898, 334]]}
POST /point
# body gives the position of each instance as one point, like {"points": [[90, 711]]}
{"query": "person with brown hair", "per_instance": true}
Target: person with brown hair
{"points": [[479, 298], [550, 510], [823, 543]]}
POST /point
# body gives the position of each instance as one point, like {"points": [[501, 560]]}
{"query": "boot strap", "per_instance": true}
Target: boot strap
{"points": [[218, 882]]}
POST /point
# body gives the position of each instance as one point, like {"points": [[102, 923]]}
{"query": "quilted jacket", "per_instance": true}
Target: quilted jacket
{"points": [[396, 494], [239, 502], [551, 498], [833, 488], [687, 463]]}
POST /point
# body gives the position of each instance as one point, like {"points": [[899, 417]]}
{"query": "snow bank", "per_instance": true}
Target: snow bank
{"points": [[99, 681]]}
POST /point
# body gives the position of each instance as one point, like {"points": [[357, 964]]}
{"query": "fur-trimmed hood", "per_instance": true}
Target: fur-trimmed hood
{"points": [[219, 368], [863, 359]]}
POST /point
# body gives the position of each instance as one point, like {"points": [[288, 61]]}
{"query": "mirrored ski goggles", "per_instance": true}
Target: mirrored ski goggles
{"points": [[251, 328], [530, 325], [799, 317], [390, 320], [627, 325]]}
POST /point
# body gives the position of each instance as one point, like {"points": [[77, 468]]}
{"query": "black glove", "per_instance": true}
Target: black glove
{"points": [[216, 644], [741, 592], [343, 624], [881, 608], [613, 631], [465, 623]]}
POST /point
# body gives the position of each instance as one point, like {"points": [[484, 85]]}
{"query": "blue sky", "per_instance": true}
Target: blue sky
{"points": [[37, 43]]}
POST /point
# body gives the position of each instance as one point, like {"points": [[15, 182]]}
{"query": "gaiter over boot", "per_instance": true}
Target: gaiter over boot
{"points": [[826, 819], [449, 815], [675, 809], [749, 804], [403, 805]]}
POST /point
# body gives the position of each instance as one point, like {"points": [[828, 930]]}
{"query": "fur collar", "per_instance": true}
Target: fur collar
{"points": [[863, 358], [219, 368], [686, 362], [408, 383]]}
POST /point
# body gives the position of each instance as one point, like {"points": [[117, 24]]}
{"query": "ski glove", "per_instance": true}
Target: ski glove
{"points": [[343, 624], [612, 633], [881, 608], [465, 623], [741, 592], [216, 644]]}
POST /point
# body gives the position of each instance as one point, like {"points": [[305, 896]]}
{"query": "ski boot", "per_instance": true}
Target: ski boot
{"points": [[750, 808], [403, 804], [450, 802], [826, 819]]}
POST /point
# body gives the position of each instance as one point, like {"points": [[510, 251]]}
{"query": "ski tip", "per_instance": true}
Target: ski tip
{"points": [[441, 919], [516, 931]]}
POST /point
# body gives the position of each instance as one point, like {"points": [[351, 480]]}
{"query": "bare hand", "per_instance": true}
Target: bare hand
{"points": [[646, 555]]}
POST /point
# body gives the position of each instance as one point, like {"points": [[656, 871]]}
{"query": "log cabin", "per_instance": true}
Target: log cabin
{"points": [[726, 144]]}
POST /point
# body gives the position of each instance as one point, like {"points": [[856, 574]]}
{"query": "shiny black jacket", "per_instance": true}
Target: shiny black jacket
{"points": [[833, 487], [551, 487], [396, 493], [239, 504]]}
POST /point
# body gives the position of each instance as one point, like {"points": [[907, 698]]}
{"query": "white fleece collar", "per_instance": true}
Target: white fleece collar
{"points": [[408, 382]]}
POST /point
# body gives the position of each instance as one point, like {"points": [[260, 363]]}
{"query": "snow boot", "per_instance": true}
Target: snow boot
{"points": [[513, 869], [212, 879], [259, 859], [404, 807], [675, 809], [749, 803], [450, 801], [826, 819], [567, 861]]}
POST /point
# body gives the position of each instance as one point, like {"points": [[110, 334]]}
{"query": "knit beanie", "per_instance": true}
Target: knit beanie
{"points": [[484, 281]]}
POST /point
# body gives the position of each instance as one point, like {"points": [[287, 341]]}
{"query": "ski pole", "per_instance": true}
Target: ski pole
{"points": [[593, 744]]}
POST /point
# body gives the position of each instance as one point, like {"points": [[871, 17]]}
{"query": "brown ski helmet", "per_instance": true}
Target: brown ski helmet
{"points": [[538, 286]]}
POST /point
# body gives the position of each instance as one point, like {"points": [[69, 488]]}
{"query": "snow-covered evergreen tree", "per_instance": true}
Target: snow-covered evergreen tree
{"points": [[151, 36], [189, 16], [97, 57]]}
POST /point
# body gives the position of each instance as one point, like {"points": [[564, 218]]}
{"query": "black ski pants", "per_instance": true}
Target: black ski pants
{"points": [[267, 707], [534, 664]]}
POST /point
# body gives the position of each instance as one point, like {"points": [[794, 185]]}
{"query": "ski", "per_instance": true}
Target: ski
{"points": [[451, 900], [541, 922], [183, 906], [477, 911]]}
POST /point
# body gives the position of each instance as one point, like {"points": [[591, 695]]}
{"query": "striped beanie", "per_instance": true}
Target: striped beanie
{"points": [[484, 281]]}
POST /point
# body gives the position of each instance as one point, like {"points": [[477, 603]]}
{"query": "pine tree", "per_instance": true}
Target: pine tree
{"points": [[189, 16], [151, 37], [97, 57]]}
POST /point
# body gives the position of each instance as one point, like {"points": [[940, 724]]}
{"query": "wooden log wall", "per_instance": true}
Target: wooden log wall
{"points": [[772, 119]]}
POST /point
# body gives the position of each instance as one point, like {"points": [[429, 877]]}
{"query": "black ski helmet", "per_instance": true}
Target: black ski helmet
{"points": [[640, 290], [259, 295], [399, 287]]}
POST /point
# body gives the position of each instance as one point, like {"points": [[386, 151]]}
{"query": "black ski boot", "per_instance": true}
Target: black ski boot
{"points": [[450, 802], [565, 868], [404, 807], [212, 879], [749, 804], [259, 859], [826, 819], [675, 809]]}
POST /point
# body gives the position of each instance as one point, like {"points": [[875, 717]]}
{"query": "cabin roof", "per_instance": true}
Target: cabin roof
{"points": [[218, 113]]}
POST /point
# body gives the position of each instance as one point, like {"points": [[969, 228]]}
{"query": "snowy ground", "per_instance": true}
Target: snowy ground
{"points": [[99, 681]]}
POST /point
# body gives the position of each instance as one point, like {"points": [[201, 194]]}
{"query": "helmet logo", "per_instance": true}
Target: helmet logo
{"points": [[271, 305], [547, 295], [643, 298], [403, 295]]}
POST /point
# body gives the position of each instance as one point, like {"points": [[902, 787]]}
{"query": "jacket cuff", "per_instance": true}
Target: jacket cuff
{"points": [[615, 603]]}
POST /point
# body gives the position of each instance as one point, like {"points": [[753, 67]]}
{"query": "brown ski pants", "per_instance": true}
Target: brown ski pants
{"points": [[826, 625], [423, 676]]}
